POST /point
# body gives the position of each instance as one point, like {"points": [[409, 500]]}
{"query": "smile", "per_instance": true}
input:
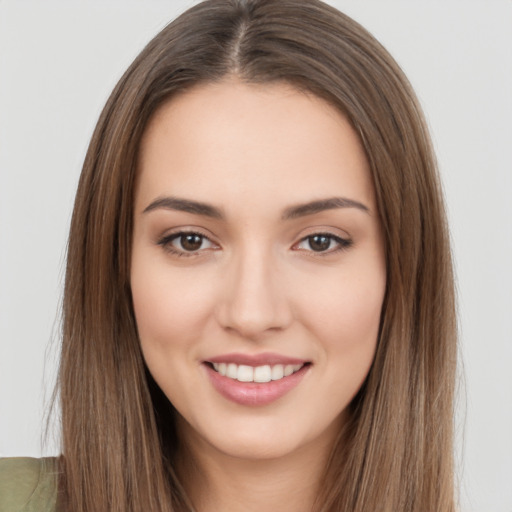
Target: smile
{"points": [[255, 380], [264, 373]]}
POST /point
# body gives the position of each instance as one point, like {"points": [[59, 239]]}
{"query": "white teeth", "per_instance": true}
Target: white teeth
{"points": [[277, 372], [232, 371], [265, 373], [262, 374], [288, 370], [245, 373]]}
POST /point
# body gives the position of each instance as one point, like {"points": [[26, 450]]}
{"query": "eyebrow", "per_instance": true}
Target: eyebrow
{"points": [[321, 205], [292, 212], [185, 205]]}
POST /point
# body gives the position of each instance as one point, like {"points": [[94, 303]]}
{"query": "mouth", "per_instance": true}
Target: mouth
{"points": [[255, 380], [260, 374]]}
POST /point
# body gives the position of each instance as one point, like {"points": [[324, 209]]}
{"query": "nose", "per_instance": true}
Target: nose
{"points": [[254, 297]]}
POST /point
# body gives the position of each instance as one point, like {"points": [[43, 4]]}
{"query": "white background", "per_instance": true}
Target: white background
{"points": [[59, 61]]}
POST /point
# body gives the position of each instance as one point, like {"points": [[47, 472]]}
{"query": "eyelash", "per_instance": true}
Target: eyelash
{"points": [[343, 244], [166, 243]]}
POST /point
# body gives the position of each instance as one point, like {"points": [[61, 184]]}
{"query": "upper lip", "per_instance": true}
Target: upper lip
{"points": [[256, 359]]}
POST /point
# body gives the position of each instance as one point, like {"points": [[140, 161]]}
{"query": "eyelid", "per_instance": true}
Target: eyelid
{"points": [[343, 243], [166, 241]]}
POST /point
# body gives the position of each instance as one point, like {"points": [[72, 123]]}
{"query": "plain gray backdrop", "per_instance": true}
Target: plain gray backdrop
{"points": [[60, 60]]}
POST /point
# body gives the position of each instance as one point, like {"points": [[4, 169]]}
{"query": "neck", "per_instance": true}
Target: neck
{"points": [[217, 481]]}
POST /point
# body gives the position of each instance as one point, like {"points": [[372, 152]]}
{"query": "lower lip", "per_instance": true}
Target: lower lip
{"points": [[254, 393]]}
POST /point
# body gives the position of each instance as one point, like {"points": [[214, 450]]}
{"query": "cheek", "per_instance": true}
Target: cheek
{"points": [[353, 315], [345, 315], [349, 331], [171, 307]]}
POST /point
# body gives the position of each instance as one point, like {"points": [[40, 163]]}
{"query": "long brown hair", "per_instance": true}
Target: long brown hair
{"points": [[118, 436]]}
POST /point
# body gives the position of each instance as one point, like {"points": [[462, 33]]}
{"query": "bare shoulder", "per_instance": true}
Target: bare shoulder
{"points": [[28, 484]]}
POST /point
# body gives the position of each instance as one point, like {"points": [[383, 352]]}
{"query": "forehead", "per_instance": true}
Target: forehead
{"points": [[231, 140]]}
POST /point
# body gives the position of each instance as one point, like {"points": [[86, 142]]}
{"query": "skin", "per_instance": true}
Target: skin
{"points": [[255, 284]]}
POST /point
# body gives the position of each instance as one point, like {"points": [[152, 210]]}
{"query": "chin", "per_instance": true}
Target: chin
{"points": [[267, 438], [258, 447]]}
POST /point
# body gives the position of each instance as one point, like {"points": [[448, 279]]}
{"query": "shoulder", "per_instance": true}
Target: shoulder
{"points": [[28, 485]]}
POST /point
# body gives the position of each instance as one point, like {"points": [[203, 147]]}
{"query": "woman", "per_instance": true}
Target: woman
{"points": [[258, 305]]}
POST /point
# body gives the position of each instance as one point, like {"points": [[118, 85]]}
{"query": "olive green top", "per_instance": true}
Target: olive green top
{"points": [[28, 485]]}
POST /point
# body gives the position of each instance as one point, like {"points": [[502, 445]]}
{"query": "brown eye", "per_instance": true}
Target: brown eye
{"points": [[190, 241], [186, 243], [319, 243], [323, 243]]}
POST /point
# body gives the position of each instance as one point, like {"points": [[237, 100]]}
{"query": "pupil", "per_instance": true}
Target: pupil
{"points": [[191, 242], [319, 242]]}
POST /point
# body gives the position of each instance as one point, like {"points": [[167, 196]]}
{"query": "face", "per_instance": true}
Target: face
{"points": [[258, 268]]}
